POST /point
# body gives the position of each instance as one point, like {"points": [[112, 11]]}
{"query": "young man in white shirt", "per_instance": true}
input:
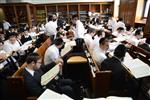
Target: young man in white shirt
{"points": [[111, 23], [88, 38], [120, 23], [79, 27], [6, 25], [11, 44], [137, 38], [51, 27], [52, 53], [99, 53]]}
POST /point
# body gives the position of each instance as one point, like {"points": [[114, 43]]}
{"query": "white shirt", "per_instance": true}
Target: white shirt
{"points": [[99, 55], [9, 47], [30, 71], [32, 34], [88, 40], [96, 41], [111, 24], [79, 30], [51, 54], [6, 25], [51, 28], [120, 24]]}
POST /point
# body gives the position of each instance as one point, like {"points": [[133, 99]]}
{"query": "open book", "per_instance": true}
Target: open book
{"points": [[48, 76], [110, 98], [138, 68], [51, 95], [65, 50]]}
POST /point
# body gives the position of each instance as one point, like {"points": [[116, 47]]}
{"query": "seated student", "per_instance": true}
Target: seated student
{"points": [[25, 37], [146, 45], [88, 38], [32, 78], [97, 37], [11, 44], [114, 64], [52, 53], [99, 53], [120, 23], [119, 81], [137, 38], [129, 29], [118, 32]]}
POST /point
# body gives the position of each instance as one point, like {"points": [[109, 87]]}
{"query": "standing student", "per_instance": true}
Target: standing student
{"points": [[111, 23], [88, 38], [6, 25], [51, 27], [79, 27]]}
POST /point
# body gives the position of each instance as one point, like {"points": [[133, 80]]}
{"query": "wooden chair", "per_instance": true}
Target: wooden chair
{"points": [[17, 87], [101, 83]]}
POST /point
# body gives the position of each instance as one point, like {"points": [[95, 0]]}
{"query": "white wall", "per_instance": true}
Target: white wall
{"points": [[2, 1], [55, 1]]}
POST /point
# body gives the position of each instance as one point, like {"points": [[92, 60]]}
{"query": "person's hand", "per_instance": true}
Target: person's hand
{"points": [[59, 60]]}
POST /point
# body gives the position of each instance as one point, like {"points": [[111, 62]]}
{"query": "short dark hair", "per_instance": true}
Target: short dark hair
{"points": [[75, 16], [99, 33], [128, 27], [102, 41], [58, 41], [120, 51], [32, 57], [120, 19], [50, 18], [12, 34], [91, 30], [120, 28], [138, 31]]}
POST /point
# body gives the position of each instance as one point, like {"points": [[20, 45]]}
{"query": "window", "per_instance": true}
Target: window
{"points": [[146, 8]]}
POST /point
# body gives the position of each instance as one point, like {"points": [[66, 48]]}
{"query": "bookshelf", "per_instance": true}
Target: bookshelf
{"points": [[73, 10], [95, 8], [83, 13], [62, 11], [40, 14], [51, 9], [10, 14], [33, 14]]}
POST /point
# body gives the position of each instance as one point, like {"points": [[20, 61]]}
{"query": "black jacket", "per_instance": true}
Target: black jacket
{"points": [[33, 83], [118, 72]]}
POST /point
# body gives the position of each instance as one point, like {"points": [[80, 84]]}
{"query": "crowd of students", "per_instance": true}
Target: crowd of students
{"points": [[96, 36]]}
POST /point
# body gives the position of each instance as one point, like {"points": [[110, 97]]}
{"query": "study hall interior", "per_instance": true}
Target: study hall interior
{"points": [[74, 50]]}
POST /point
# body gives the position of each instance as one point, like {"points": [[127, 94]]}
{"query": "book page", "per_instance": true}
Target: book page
{"points": [[48, 76], [137, 67], [94, 99], [51, 95], [118, 98], [65, 50]]}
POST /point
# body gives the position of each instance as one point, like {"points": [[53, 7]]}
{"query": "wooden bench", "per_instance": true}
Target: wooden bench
{"points": [[16, 81], [17, 87]]}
